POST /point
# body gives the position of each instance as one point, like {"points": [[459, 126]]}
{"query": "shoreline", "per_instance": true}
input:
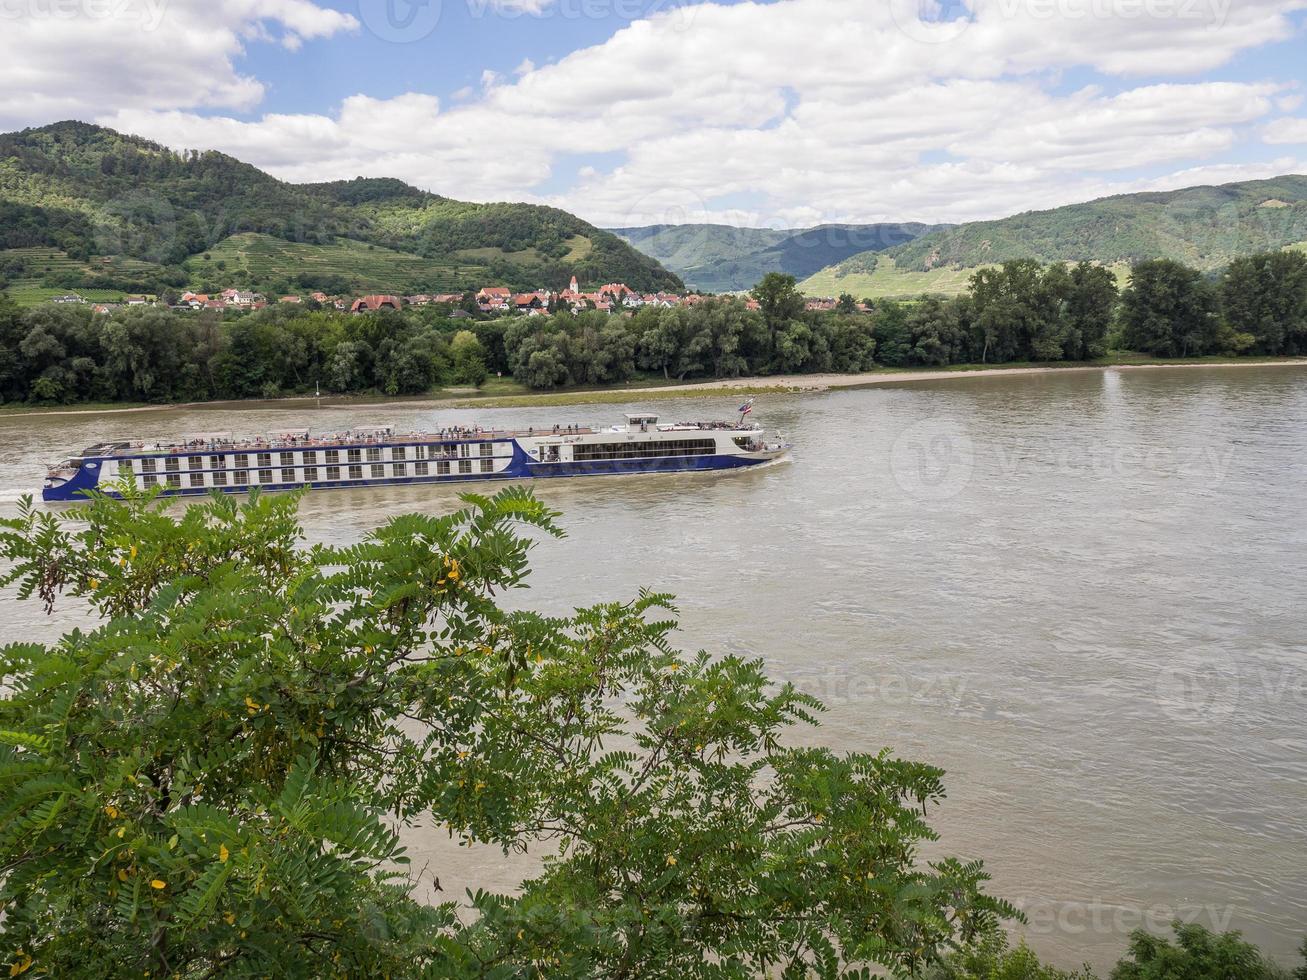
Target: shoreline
{"points": [[791, 383]]}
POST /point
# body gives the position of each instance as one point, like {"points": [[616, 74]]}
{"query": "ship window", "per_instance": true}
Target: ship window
{"points": [[288, 476], [195, 462], [174, 479], [584, 452], [420, 469], [310, 459], [401, 469], [355, 455], [150, 480], [333, 455], [487, 449], [217, 462], [240, 477], [399, 452], [378, 471], [287, 459], [374, 455], [219, 479], [265, 459], [265, 476], [442, 468], [465, 449], [311, 474], [148, 466], [419, 452], [487, 466], [172, 464], [333, 472], [242, 460], [356, 472], [124, 467], [465, 465], [197, 479]]}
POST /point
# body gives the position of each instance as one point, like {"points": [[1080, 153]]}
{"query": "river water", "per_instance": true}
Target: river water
{"points": [[1084, 594]]}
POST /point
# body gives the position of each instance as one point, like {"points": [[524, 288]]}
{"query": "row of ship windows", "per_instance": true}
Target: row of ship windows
{"points": [[309, 457], [311, 474], [644, 450]]}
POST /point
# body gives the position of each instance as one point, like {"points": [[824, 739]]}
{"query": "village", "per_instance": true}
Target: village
{"points": [[489, 300]]}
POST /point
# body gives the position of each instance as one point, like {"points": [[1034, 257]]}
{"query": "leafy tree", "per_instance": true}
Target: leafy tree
{"points": [[1168, 310], [780, 299], [1196, 954], [994, 958], [209, 781], [1266, 296], [469, 359]]}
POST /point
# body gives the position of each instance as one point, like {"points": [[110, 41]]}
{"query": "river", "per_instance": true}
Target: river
{"points": [[1084, 594]]}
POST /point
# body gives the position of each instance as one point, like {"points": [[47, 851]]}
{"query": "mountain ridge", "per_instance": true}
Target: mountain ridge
{"points": [[1205, 226], [726, 258], [92, 191]]}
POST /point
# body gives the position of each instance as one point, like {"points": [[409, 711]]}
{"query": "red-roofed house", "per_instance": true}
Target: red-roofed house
{"points": [[370, 304]]}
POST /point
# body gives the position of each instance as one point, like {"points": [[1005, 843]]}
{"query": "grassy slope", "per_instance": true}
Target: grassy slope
{"points": [[886, 282]]}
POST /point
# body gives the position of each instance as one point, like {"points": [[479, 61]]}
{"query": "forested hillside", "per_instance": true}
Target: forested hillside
{"points": [[723, 258], [95, 194]]}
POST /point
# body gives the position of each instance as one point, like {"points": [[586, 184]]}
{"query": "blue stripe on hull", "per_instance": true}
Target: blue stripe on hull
{"points": [[83, 481]]}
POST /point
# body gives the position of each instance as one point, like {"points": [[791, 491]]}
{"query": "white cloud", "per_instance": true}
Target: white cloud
{"points": [[82, 59], [1286, 130], [793, 110]]}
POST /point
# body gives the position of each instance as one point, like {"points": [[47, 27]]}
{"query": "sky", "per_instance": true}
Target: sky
{"points": [[786, 113]]}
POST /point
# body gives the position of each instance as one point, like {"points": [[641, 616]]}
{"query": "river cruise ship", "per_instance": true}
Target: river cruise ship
{"points": [[204, 462]]}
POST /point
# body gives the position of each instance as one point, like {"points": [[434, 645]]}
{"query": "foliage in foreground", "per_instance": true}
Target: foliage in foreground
{"points": [[210, 781], [1196, 954]]}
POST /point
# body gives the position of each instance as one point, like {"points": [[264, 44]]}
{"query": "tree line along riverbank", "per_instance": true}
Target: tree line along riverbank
{"points": [[1022, 312]]}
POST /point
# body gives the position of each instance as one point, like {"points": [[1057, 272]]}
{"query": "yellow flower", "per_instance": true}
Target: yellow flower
{"points": [[133, 551], [229, 918], [455, 573], [112, 811], [122, 562], [251, 705], [223, 853], [671, 860], [94, 583], [122, 874], [21, 964], [158, 883]]}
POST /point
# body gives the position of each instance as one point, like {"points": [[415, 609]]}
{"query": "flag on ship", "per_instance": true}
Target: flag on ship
{"points": [[747, 407]]}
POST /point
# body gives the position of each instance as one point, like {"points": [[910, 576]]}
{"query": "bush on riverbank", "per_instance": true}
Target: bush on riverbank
{"points": [[211, 779], [1021, 311], [1196, 953]]}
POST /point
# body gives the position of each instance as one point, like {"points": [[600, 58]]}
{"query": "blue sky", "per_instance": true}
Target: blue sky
{"points": [[779, 113]]}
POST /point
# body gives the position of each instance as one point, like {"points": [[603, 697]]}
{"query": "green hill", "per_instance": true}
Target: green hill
{"points": [[90, 193], [1205, 227], [722, 258]]}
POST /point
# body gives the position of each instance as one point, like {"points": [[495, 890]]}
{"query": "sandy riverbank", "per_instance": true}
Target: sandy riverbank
{"points": [[703, 389]]}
